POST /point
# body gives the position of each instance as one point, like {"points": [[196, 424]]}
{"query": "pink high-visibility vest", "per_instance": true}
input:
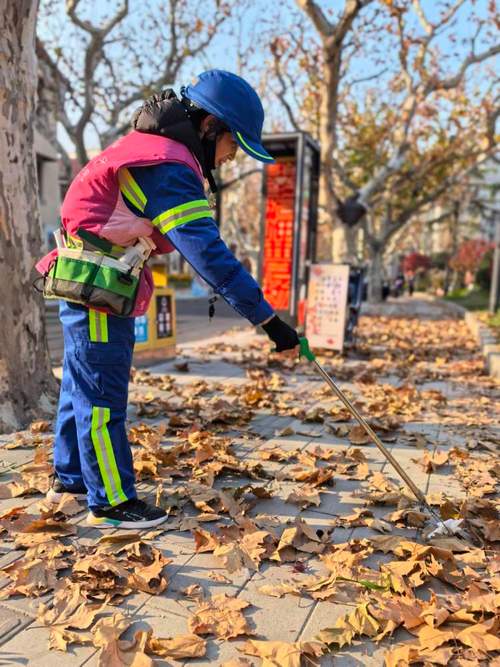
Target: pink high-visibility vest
{"points": [[94, 202]]}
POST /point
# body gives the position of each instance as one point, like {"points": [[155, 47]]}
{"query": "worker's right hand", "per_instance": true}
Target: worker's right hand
{"points": [[281, 334]]}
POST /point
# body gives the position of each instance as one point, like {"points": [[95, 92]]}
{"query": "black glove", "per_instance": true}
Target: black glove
{"points": [[280, 333]]}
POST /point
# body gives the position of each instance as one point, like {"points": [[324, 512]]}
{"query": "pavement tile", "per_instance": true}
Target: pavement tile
{"points": [[288, 613], [30, 647], [11, 624]]}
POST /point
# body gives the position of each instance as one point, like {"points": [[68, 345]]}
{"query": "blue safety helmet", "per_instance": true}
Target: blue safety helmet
{"points": [[231, 99]]}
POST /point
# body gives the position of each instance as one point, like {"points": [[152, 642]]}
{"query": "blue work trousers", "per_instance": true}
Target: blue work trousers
{"points": [[91, 449]]}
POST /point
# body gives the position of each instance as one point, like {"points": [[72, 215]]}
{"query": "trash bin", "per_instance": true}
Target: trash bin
{"points": [[155, 331]]}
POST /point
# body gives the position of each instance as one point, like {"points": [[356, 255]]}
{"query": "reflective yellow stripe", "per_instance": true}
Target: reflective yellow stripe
{"points": [[131, 190], [252, 150], [181, 221], [192, 210], [135, 187], [98, 326], [103, 321], [105, 455], [132, 199]]}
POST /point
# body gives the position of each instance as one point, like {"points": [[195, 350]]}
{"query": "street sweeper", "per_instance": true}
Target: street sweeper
{"points": [[142, 195]]}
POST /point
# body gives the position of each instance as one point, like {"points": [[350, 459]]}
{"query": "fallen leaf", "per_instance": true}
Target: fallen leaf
{"points": [[220, 616], [304, 496], [177, 648], [283, 654]]}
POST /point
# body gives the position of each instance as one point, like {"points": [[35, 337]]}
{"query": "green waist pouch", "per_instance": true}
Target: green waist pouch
{"points": [[94, 280]]}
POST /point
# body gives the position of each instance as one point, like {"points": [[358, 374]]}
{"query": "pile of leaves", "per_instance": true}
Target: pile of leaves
{"points": [[196, 443]]}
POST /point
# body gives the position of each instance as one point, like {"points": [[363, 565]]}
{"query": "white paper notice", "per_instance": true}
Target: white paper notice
{"points": [[326, 305]]}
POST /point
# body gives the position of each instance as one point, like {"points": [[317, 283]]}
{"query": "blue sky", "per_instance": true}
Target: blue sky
{"points": [[261, 18]]}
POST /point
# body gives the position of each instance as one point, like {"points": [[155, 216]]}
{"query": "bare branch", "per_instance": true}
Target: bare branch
{"points": [[426, 25], [281, 93], [380, 178], [72, 6], [225, 185], [317, 16], [455, 80]]}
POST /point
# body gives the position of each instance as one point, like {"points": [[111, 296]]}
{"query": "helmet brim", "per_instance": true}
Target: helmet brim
{"points": [[253, 148]]}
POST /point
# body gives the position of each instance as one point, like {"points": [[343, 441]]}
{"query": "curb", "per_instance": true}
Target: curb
{"points": [[490, 348]]}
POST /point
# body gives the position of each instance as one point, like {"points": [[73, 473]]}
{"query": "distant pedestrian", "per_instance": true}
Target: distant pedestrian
{"points": [[411, 285]]}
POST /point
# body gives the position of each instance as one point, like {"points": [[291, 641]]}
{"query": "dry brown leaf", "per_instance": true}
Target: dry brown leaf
{"points": [[194, 592], [304, 496], [247, 552], [40, 426], [431, 638], [287, 431], [482, 637], [378, 525], [300, 538], [279, 590], [177, 648], [218, 577], [204, 540], [356, 623], [283, 654], [50, 527], [149, 578], [431, 461], [114, 652], [67, 506], [69, 609], [220, 616], [409, 654], [30, 577], [358, 436]]}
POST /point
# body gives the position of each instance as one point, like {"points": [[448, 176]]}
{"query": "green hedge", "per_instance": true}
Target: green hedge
{"points": [[475, 299]]}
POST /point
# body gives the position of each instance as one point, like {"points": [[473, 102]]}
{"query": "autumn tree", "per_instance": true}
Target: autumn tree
{"points": [[107, 57], [469, 255], [415, 261], [26, 381], [398, 132]]}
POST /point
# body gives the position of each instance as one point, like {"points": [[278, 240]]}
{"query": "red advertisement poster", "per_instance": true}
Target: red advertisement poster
{"points": [[278, 233]]}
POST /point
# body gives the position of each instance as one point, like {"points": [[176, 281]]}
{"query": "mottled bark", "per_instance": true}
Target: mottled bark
{"points": [[27, 385], [375, 273]]}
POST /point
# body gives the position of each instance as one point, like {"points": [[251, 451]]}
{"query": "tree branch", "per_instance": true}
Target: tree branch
{"points": [[317, 16], [227, 184], [455, 80]]}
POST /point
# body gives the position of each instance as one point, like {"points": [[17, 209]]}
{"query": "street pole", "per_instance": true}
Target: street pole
{"points": [[495, 275]]}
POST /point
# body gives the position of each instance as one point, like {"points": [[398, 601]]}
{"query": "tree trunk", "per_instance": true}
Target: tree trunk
{"points": [[375, 274], [332, 241], [27, 384]]}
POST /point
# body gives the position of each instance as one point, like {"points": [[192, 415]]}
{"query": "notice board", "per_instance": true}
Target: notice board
{"points": [[326, 305], [164, 316], [278, 232]]}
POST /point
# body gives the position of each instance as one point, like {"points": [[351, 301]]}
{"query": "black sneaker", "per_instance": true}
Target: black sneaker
{"points": [[133, 513], [56, 491]]}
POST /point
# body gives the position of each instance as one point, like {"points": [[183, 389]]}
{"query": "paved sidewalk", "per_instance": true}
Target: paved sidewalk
{"points": [[436, 417]]}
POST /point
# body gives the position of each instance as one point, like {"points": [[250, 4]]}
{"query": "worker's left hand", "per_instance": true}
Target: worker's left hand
{"points": [[285, 337]]}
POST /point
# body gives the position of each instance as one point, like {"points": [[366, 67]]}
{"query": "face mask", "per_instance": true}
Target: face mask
{"points": [[209, 146]]}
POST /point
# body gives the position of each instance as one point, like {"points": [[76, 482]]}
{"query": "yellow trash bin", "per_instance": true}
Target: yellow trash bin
{"points": [[155, 331]]}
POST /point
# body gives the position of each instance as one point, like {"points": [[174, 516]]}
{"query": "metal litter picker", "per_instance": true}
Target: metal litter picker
{"points": [[305, 351]]}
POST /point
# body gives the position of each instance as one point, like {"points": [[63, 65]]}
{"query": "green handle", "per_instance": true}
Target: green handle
{"points": [[305, 350]]}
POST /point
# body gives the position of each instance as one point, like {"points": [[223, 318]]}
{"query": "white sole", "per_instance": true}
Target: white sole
{"points": [[103, 522], [55, 497]]}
